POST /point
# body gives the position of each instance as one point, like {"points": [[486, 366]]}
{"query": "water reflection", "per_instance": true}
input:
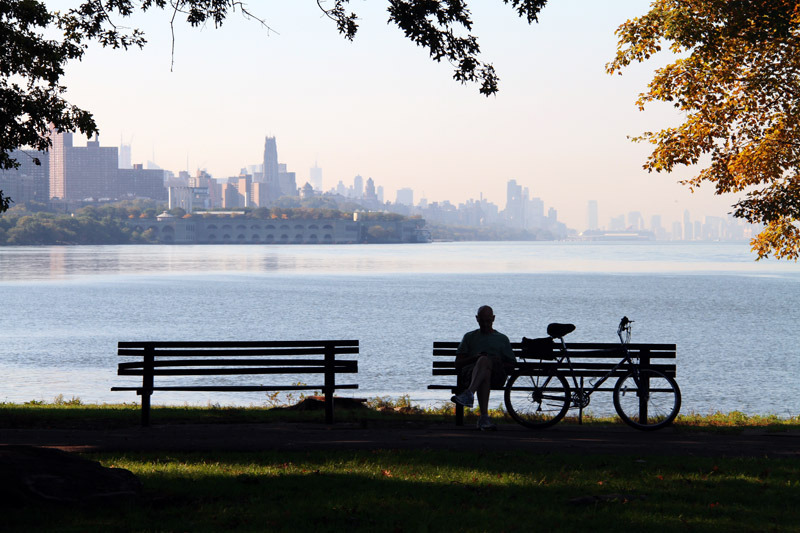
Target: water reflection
{"points": [[68, 262]]}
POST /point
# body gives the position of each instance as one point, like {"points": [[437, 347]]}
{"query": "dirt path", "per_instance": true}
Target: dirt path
{"points": [[307, 436]]}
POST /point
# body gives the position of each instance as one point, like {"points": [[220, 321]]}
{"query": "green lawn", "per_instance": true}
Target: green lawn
{"points": [[74, 414], [435, 491]]}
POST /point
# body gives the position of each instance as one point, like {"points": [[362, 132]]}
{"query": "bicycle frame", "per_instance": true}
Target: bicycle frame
{"points": [[585, 394]]}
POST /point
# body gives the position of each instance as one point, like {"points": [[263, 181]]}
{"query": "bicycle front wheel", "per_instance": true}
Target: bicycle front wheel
{"points": [[647, 399], [537, 401]]}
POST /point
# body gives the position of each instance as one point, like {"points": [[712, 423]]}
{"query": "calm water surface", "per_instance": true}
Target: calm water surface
{"points": [[734, 320]]}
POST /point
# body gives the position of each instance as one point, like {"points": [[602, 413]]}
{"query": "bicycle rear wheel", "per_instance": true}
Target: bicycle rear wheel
{"points": [[647, 399], [537, 401]]}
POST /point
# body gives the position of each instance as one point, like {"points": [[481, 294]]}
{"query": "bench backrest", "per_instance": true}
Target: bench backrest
{"points": [[211, 358], [586, 361]]}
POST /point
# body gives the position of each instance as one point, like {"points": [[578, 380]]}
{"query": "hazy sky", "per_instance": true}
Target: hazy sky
{"points": [[379, 107]]}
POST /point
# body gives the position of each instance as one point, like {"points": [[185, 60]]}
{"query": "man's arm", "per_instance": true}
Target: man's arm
{"points": [[463, 359]]}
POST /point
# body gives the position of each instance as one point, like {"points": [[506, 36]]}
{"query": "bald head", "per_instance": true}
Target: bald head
{"points": [[485, 318]]}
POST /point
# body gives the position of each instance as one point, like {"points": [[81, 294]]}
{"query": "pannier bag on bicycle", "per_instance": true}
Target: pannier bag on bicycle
{"points": [[542, 348]]}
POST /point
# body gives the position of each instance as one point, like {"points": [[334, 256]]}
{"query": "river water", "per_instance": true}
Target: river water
{"points": [[734, 320]]}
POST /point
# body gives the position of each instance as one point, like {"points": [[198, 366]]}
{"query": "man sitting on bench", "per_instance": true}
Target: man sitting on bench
{"points": [[484, 359]]}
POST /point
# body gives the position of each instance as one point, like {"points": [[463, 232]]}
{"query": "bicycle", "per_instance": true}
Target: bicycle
{"points": [[644, 398]]}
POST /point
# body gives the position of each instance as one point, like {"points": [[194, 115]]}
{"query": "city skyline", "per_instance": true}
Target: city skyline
{"points": [[380, 108], [409, 196]]}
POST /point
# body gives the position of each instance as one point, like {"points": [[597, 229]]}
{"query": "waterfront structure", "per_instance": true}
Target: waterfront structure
{"points": [[234, 228]]}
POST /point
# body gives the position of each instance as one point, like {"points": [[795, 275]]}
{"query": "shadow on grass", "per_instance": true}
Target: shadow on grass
{"points": [[436, 491]]}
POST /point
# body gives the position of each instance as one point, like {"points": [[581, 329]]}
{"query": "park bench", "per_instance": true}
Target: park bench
{"points": [[183, 366], [587, 365]]}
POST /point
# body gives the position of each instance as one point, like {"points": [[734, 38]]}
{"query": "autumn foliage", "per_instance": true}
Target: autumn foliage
{"points": [[736, 80]]}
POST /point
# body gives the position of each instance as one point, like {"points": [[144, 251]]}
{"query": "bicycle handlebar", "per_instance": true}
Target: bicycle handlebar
{"points": [[624, 325]]}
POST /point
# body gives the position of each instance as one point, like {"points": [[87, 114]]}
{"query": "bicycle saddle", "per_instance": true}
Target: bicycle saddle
{"points": [[557, 330]]}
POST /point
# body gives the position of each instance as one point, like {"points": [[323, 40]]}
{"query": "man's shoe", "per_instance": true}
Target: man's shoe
{"points": [[466, 398], [486, 425]]}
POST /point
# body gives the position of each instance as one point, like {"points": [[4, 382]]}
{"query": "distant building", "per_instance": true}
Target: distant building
{"points": [[81, 173], [515, 205], [358, 187], [270, 173], [125, 155], [139, 182], [287, 181], [369, 192], [228, 228], [405, 196], [28, 182], [688, 233], [315, 174], [591, 215]]}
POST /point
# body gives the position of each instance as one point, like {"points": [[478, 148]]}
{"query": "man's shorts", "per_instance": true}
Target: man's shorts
{"points": [[499, 375]]}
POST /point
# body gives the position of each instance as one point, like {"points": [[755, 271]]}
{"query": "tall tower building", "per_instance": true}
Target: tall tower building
{"points": [[515, 204], [369, 192], [591, 215], [687, 226], [315, 175], [62, 142], [270, 176], [358, 187], [125, 155]]}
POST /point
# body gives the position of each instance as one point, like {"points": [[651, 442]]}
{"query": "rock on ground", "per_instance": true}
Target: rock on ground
{"points": [[46, 474]]}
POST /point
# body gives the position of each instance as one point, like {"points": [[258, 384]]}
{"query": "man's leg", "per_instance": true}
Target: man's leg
{"points": [[481, 383]]}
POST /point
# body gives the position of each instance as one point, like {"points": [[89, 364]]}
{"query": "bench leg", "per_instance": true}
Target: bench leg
{"points": [[328, 406], [459, 415], [145, 408]]}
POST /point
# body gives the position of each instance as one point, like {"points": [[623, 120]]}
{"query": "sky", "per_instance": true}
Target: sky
{"points": [[380, 108]]}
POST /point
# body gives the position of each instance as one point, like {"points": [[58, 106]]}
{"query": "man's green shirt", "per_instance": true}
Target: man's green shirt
{"points": [[494, 343]]}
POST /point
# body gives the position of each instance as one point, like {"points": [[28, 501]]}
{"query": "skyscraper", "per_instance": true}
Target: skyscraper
{"points": [[687, 226], [515, 204], [591, 215], [270, 176], [125, 155], [315, 175], [358, 187]]}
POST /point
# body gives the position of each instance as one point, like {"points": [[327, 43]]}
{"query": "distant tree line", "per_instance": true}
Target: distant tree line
{"points": [[486, 233]]}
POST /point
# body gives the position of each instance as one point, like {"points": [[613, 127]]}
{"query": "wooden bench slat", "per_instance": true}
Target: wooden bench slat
{"points": [[341, 363], [234, 371], [234, 344], [235, 388], [220, 352]]}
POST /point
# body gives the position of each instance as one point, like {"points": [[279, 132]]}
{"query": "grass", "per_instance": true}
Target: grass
{"points": [[435, 491], [73, 414], [420, 490]]}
